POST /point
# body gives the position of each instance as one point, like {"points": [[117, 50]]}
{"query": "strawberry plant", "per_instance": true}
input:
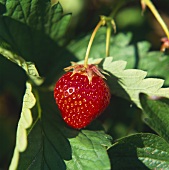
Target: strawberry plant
{"points": [[109, 110]]}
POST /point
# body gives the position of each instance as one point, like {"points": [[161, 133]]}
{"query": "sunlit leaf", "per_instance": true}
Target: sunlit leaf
{"points": [[136, 55], [89, 151], [24, 123], [129, 83]]}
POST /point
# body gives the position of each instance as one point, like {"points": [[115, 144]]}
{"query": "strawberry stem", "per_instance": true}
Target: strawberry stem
{"points": [[101, 22], [156, 14], [110, 23], [108, 35]]}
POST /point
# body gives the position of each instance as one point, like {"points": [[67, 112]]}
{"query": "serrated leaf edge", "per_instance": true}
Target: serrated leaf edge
{"points": [[153, 87], [24, 123]]}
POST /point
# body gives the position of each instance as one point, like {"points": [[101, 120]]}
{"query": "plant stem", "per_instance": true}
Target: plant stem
{"points": [[101, 22], [110, 23], [157, 16], [108, 35]]}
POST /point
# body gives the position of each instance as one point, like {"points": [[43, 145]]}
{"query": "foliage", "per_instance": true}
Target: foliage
{"points": [[33, 35]]}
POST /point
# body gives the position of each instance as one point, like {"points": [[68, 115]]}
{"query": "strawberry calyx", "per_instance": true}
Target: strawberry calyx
{"points": [[89, 71]]}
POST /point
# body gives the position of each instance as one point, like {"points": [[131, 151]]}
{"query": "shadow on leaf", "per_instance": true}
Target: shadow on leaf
{"points": [[124, 154], [48, 144], [35, 46]]}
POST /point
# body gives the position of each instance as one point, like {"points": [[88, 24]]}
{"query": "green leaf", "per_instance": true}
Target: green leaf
{"points": [[156, 65], [35, 41], [40, 15], [79, 46], [140, 151], [29, 67], [46, 140], [2, 9], [35, 46], [24, 123], [130, 83], [137, 55], [120, 47], [89, 151], [41, 152], [157, 114]]}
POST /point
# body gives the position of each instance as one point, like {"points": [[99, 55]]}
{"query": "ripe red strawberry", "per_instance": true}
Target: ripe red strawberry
{"points": [[81, 95]]}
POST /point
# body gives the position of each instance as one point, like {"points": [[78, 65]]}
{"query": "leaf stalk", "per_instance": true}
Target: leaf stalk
{"points": [[156, 14], [103, 21], [100, 23]]}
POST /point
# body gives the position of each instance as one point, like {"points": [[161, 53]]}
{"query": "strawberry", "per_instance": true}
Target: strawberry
{"points": [[81, 95]]}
